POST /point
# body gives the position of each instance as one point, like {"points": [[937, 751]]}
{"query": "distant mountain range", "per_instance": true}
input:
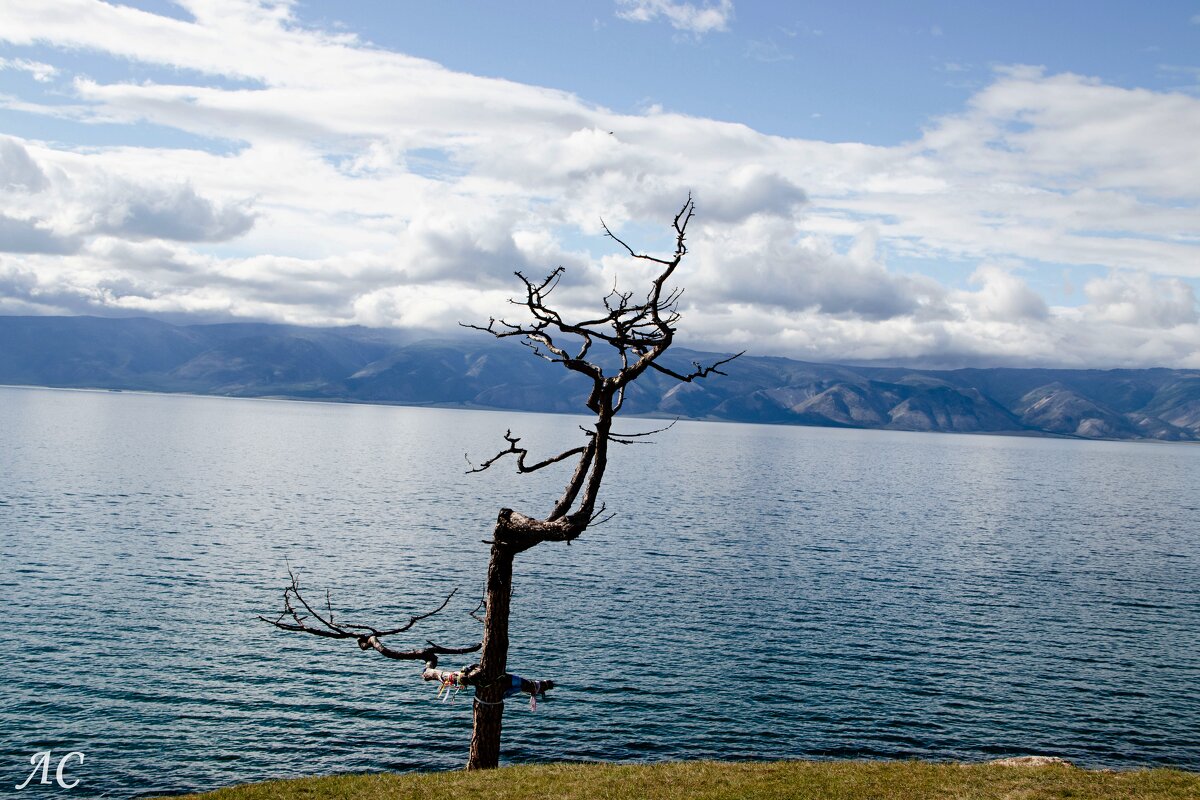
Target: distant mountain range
{"points": [[378, 366]]}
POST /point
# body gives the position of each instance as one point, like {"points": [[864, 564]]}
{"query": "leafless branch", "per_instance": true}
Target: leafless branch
{"points": [[521, 452], [643, 433], [298, 609], [427, 654], [699, 371], [474, 613]]}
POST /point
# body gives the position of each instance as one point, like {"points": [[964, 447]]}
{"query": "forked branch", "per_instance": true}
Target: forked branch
{"points": [[521, 452], [307, 619], [699, 371]]}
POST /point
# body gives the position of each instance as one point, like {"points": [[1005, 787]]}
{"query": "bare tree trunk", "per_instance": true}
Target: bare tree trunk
{"points": [[493, 663]]}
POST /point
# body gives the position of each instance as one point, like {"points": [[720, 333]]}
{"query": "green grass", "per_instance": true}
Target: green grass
{"points": [[707, 780]]}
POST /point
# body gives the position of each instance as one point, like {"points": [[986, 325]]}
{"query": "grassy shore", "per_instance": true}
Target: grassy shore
{"points": [[706, 780]]}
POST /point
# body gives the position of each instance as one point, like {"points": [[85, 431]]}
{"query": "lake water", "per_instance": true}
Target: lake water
{"points": [[764, 592]]}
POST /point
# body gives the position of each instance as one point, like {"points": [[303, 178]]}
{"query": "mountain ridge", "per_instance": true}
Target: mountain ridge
{"points": [[358, 364]]}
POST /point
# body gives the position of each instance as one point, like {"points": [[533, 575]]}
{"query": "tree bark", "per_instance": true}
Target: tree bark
{"points": [[493, 663]]}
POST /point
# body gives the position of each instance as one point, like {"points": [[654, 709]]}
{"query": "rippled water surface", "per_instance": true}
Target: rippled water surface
{"points": [[764, 592]]}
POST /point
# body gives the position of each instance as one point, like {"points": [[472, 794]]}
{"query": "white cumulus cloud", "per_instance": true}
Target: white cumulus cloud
{"points": [[40, 72], [688, 17]]}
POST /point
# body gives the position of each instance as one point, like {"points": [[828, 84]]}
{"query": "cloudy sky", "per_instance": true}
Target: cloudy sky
{"points": [[928, 182]]}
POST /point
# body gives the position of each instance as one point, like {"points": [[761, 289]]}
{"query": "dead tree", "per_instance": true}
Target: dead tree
{"points": [[637, 333]]}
